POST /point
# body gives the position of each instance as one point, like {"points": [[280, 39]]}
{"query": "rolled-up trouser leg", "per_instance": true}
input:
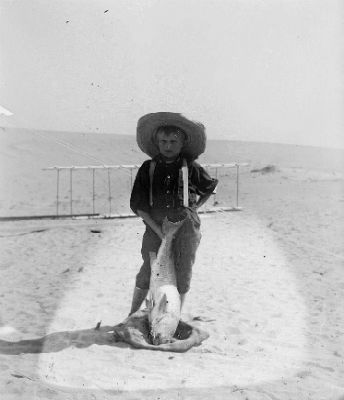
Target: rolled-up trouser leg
{"points": [[138, 296]]}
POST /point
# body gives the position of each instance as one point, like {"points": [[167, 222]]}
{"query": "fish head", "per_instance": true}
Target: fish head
{"points": [[163, 324], [163, 330]]}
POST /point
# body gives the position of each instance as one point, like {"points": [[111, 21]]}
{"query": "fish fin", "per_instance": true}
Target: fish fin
{"points": [[152, 256], [162, 304], [170, 228], [149, 302]]}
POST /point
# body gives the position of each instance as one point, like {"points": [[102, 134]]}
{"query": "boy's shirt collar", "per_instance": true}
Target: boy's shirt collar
{"points": [[160, 159]]}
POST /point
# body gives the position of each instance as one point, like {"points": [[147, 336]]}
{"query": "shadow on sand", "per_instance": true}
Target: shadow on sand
{"points": [[59, 341], [132, 331]]}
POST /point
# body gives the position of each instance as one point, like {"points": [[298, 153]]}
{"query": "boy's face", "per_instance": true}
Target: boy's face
{"points": [[170, 145]]}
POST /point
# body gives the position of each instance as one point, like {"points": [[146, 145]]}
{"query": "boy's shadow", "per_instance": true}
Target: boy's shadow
{"points": [[133, 331], [59, 341]]}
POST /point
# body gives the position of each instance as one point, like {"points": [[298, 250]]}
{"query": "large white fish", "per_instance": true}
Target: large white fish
{"points": [[164, 299]]}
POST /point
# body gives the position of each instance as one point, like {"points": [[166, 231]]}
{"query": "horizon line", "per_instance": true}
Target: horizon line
{"points": [[209, 139]]}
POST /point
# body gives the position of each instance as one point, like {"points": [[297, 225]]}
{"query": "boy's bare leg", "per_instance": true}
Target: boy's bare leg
{"points": [[182, 300], [138, 296]]}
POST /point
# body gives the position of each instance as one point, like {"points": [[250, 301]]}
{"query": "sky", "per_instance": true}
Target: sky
{"points": [[257, 70]]}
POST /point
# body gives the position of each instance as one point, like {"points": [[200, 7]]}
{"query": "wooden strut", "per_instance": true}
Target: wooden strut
{"points": [[237, 186], [109, 186], [93, 191], [214, 198], [135, 166], [57, 190], [71, 191]]}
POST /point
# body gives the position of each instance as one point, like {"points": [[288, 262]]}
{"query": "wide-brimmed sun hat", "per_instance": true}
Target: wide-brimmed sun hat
{"points": [[148, 125]]}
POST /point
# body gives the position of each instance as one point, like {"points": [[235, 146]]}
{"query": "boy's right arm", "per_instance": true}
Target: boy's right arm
{"points": [[151, 223], [139, 199]]}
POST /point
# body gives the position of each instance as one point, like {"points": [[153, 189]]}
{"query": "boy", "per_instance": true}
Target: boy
{"points": [[173, 142]]}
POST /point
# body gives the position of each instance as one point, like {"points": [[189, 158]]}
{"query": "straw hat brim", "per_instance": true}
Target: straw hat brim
{"points": [[148, 125]]}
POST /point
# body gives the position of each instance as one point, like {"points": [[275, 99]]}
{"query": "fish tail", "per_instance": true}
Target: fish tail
{"points": [[170, 228]]}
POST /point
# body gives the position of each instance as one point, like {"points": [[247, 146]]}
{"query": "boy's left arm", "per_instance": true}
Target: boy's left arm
{"points": [[203, 199], [204, 183]]}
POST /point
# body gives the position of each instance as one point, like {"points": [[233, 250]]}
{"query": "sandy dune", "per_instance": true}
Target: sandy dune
{"points": [[268, 287]]}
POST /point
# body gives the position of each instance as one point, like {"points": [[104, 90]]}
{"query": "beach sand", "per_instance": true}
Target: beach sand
{"points": [[268, 286]]}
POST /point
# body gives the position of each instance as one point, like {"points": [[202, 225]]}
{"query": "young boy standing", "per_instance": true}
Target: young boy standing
{"points": [[170, 185]]}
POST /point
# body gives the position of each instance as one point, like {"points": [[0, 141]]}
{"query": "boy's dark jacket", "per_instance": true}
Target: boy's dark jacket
{"points": [[167, 188]]}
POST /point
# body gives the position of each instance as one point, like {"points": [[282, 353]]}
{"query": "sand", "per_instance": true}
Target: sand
{"points": [[268, 286]]}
